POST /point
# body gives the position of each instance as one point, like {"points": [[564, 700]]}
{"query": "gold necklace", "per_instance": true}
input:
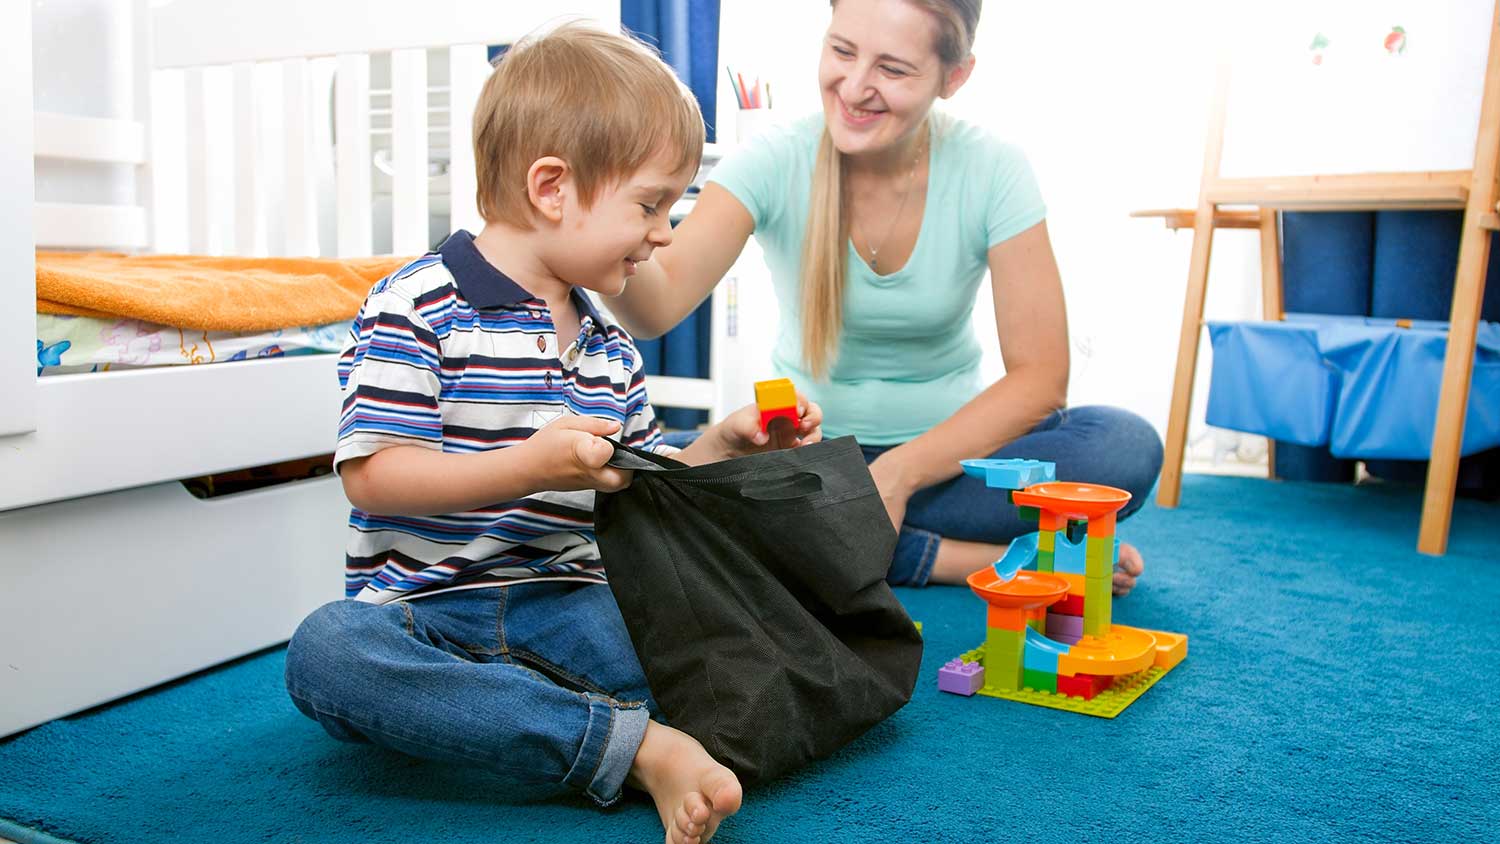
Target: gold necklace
{"points": [[910, 181]]}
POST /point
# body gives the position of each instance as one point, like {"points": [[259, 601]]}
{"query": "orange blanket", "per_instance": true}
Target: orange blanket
{"points": [[207, 293]]}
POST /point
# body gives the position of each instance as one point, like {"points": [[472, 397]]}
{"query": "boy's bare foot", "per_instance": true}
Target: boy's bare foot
{"points": [[692, 792], [1127, 569]]}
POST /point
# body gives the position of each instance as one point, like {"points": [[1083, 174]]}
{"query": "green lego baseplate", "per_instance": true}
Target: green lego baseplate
{"points": [[1107, 704]]}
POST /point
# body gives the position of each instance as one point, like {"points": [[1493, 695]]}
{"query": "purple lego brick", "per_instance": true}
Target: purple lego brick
{"points": [[961, 678], [1064, 628]]}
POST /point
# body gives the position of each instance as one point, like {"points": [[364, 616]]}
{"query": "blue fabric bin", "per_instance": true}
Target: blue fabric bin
{"points": [[1389, 386], [1270, 378], [1367, 388]]}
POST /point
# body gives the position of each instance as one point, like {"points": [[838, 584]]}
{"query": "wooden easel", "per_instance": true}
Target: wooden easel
{"points": [[1472, 190]]}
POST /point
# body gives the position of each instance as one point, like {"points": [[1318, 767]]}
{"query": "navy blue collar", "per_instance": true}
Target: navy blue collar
{"points": [[485, 286]]}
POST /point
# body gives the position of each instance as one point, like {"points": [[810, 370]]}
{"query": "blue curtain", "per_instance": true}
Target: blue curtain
{"points": [[687, 33]]}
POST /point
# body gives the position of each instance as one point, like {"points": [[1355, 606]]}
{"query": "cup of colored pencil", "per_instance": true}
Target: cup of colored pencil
{"points": [[754, 100]]}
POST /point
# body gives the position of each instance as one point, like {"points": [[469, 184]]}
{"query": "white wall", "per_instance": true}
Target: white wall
{"points": [[1109, 103]]}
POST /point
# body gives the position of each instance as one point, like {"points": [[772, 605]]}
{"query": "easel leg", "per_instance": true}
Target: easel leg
{"points": [[1271, 302], [1169, 492]]}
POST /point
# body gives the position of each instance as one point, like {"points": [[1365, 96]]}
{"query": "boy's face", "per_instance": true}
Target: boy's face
{"points": [[599, 246]]}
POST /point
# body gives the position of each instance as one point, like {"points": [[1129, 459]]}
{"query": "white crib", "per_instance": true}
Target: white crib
{"points": [[113, 578]]}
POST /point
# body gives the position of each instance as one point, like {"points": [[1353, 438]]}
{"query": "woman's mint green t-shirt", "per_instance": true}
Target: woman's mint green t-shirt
{"points": [[907, 355]]}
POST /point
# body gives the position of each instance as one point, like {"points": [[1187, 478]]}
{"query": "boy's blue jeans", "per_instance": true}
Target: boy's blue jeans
{"points": [[536, 682], [1102, 445]]}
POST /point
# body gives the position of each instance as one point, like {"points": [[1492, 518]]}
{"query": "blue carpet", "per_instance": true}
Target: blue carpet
{"points": [[1339, 686]]}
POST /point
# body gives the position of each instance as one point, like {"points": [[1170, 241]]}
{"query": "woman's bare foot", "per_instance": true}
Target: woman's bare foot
{"points": [[957, 559], [1127, 569], [692, 792]]}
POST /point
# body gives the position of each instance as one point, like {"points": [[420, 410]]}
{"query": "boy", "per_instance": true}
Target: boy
{"points": [[478, 374]]}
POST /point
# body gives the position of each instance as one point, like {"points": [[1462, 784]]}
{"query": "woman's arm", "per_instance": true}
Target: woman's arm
{"points": [[667, 288], [1031, 319]]}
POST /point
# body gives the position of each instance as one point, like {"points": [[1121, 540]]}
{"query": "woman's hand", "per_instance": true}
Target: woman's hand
{"points": [[739, 434], [895, 485]]}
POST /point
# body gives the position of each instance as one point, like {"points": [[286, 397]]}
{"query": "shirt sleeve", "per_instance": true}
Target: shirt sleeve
{"points": [[1015, 200], [640, 429], [389, 375], [754, 173]]}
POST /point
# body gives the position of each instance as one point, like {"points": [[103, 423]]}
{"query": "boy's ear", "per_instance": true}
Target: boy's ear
{"points": [[546, 182]]}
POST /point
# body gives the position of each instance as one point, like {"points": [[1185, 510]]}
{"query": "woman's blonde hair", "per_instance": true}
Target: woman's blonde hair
{"points": [[605, 103], [825, 247]]}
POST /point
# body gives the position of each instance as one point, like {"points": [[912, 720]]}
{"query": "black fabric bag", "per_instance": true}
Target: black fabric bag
{"points": [[754, 592]]}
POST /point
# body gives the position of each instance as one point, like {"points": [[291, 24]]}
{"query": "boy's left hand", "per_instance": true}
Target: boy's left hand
{"points": [[740, 434]]}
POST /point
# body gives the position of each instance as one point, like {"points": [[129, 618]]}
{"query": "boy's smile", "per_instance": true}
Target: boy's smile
{"points": [[599, 247]]}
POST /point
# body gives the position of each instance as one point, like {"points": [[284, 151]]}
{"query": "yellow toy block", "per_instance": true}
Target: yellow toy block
{"points": [[775, 394]]}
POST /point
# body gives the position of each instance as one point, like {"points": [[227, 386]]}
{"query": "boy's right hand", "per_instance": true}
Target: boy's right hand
{"points": [[570, 453]]}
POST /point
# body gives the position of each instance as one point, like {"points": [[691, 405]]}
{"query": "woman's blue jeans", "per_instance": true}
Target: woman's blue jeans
{"points": [[536, 682], [1102, 445]]}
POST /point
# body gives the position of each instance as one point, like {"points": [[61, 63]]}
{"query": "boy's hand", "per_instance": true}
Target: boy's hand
{"points": [[740, 434], [570, 453]]}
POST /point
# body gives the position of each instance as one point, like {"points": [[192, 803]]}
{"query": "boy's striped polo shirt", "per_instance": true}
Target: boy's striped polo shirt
{"points": [[450, 354]]}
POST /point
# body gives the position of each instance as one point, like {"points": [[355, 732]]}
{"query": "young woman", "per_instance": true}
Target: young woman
{"points": [[879, 218]]}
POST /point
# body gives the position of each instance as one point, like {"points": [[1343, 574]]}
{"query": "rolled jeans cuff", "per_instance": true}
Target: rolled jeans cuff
{"points": [[610, 742], [916, 553]]}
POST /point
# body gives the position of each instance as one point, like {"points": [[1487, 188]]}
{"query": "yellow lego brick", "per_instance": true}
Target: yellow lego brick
{"points": [[774, 394], [1171, 649]]}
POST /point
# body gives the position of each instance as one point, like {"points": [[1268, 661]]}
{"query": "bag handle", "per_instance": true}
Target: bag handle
{"points": [[779, 489], [638, 460], [787, 488]]}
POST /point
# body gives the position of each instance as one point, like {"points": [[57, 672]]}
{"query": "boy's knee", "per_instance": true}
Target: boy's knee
{"points": [[322, 645]]}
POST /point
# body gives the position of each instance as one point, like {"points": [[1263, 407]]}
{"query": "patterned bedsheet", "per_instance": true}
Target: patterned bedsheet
{"points": [[68, 344]]}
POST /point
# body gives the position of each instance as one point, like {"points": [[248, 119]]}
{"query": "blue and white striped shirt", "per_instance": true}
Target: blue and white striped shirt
{"points": [[450, 354]]}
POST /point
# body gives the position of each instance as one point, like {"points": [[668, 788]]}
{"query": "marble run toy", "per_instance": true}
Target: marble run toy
{"points": [[1049, 638], [776, 399]]}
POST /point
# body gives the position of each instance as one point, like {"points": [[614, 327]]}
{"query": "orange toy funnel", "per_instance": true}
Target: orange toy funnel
{"points": [[1028, 590], [1072, 500]]}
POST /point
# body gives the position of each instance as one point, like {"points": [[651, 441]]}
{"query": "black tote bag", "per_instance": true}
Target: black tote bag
{"points": [[754, 592]]}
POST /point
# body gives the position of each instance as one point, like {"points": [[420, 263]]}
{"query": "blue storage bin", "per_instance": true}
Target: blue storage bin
{"points": [[1270, 378], [1389, 385], [1366, 387]]}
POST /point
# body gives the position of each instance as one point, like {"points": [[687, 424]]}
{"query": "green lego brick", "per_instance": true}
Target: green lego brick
{"points": [[1046, 540], [1045, 560], [1002, 667], [1028, 514], [1107, 704], [1099, 556], [1041, 681], [1097, 592], [999, 642]]}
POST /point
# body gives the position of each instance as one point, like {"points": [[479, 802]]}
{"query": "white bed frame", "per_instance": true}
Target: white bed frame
{"points": [[113, 578]]}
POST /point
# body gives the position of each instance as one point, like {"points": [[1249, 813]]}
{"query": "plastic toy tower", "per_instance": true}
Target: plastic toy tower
{"points": [[1050, 639]]}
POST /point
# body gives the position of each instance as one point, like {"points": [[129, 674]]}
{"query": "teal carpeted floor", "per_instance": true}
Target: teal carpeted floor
{"points": [[1339, 686]]}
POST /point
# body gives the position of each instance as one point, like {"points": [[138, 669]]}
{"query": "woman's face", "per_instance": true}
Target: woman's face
{"points": [[879, 74]]}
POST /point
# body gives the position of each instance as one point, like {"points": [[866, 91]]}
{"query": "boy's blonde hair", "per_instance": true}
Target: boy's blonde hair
{"points": [[604, 103]]}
